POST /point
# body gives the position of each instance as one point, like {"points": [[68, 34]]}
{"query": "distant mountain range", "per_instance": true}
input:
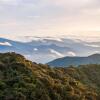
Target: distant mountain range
{"points": [[46, 49], [75, 61]]}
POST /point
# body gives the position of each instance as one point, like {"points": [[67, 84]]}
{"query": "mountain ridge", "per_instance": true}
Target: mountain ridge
{"points": [[35, 48], [75, 61]]}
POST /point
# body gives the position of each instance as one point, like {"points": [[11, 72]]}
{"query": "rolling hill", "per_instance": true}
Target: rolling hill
{"points": [[21, 79], [75, 61]]}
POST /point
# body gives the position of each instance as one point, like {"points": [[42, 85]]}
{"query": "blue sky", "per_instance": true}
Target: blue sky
{"points": [[49, 17]]}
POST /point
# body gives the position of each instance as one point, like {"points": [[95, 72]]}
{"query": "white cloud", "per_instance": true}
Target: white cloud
{"points": [[35, 49], [97, 52], [71, 53], [92, 45], [56, 53], [5, 43]]}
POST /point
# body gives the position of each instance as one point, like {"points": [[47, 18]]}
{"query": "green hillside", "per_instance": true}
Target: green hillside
{"points": [[21, 79]]}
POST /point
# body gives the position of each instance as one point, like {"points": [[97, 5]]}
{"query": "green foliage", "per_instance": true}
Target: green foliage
{"points": [[21, 79]]}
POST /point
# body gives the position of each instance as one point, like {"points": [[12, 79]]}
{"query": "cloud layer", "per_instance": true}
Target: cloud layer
{"points": [[48, 16]]}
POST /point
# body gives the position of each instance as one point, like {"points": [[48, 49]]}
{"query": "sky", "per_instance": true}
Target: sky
{"points": [[49, 17]]}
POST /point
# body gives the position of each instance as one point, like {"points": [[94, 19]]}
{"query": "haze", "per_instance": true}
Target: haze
{"points": [[49, 17]]}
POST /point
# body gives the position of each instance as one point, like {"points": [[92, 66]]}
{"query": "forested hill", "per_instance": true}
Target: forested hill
{"points": [[21, 79]]}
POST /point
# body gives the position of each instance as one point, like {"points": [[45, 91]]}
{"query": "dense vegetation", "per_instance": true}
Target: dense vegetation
{"points": [[21, 79]]}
